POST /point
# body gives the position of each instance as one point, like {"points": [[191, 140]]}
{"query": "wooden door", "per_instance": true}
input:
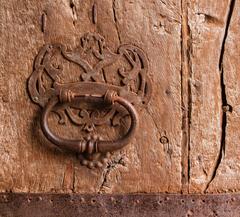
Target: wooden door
{"points": [[187, 139]]}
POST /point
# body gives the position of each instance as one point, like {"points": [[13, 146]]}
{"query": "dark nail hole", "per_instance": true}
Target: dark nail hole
{"points": [[168, 92], [164, 140], [72, 4]]}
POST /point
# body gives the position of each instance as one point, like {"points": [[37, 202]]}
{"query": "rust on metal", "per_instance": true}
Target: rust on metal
{"points": [[142, 205], [108, 88], [91, 145]]}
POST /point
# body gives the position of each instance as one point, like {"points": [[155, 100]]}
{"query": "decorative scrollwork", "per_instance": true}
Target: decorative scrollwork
{"points": [[94, 63], [93, 57]]}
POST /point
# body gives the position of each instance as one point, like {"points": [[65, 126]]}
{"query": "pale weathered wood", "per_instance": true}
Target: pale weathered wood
{"points": [[28, 161], [228, 173], [207, 23]]}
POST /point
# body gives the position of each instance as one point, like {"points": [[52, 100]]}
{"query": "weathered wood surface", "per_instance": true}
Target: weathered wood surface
{"points": [[146, 165], [207, 23], [213, 155], [228, 171], [192, 49]]}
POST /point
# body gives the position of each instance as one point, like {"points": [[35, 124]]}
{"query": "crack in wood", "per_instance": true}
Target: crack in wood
{"points": [[163, 2], [186, 95], [115, 20], [44, 21], [211, 19], [74, 12], [223, 95], [73, 179], [153, 120], [110, 167], [94, 13]]}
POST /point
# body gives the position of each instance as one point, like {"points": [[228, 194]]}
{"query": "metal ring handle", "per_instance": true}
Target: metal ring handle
{"points": [[91, 146]]}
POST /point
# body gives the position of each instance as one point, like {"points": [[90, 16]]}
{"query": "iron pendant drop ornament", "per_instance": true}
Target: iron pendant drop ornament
{"points": [[108, 89]]}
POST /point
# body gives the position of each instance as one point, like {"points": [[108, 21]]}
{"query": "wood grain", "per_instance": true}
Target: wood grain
{"points": [[29, 162], [227, 174], [207, 23], [213, 131], [188, 136]]}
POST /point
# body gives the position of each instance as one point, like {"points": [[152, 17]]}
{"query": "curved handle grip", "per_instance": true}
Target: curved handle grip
{"points": [[91, 146]]}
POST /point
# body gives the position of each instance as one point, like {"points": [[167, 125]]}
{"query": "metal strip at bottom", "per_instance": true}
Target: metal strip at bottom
{"points": [[129, 205]]}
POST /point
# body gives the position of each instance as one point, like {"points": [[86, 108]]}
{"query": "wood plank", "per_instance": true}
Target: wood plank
{"points": [[228, 170], [149, 164], [207, 23]]}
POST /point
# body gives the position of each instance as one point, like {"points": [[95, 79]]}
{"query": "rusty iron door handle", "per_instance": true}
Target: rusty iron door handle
{"points": [[108, 87], [91, 146]]}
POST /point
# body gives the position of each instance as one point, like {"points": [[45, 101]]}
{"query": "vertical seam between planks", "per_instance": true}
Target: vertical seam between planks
{"points": [[186, 95]]}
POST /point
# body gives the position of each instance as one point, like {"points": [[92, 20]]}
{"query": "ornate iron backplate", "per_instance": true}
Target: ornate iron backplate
{"points": [[141, 205], [92, 87]]}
